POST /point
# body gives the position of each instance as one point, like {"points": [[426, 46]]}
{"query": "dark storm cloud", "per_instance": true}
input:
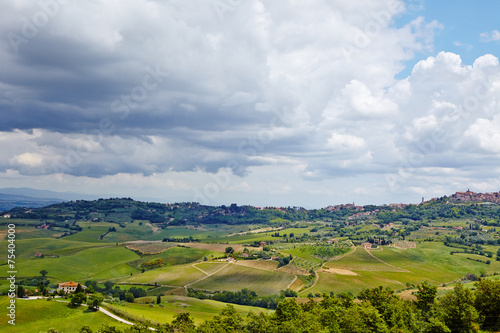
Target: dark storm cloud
{"points": [[145, 87]]}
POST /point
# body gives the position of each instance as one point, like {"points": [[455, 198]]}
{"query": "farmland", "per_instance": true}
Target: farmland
{"points": [[200, 310], [311, 257], [34, 316]]}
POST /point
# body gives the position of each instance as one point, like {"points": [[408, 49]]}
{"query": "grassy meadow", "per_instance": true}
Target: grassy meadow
{"points": [[235, 277], [200, 310], [34, 316]]}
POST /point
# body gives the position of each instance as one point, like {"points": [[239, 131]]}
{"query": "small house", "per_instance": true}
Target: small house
{"points": [[67, 287]]}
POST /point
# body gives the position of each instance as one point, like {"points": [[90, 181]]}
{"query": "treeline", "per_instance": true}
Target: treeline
{"points": [[378, 310], [113, 290], [243, 297], [441, 208], [118, 210], [189, 239]]}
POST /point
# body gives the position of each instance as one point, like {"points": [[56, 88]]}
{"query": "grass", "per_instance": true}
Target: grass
{"points": [[268, 265], [236, 277], [94, 263], [430, 262], [343, 283], [90, 233], [210, 267], [132, 231], [262, 236], [199, 310], [34, 316], [176, 256], [26, 249], [360, 260], [150, 247], [179, 275]]}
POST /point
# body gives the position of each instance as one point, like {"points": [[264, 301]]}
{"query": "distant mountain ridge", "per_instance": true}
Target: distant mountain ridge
{"points": [[9, 201], [11, 197]]}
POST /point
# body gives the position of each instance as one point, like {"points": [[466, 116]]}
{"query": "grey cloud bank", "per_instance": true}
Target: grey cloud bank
{"points": [[254, 102]]}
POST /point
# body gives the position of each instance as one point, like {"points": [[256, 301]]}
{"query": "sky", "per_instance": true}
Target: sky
{"points": [[259, 102]]}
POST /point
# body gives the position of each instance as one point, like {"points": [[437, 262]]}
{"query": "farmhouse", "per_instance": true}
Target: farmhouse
{"points": [[68, 287]]}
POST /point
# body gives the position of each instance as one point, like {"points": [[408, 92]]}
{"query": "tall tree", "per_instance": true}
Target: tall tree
{"points": [[20, 291], [426, 295], [94, 301], [487, 302], [79, 289], [458, 311]]}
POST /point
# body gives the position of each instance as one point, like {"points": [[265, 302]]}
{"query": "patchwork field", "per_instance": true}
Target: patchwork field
{"points": [[395, 268]]}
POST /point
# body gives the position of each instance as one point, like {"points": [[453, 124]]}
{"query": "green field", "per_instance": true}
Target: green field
{"points": [[34, 316], [178, 275], [94, 263], [430, 262], [26, 249], [176, 256], [236, 277], [200, 310]]}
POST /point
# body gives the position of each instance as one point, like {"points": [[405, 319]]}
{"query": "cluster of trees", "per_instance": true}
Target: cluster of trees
{"points": [[441, 208], [380, 311], [176, 214], [153, 264], [36, 280], [243, 297], [93, 300], [283, 261], [115, 291], [189, 239]]}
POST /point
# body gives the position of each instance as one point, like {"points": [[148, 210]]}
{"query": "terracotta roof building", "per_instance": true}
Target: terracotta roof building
{"points": [[67, 287]]}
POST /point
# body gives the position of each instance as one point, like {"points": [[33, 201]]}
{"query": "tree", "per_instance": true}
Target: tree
{"points": [[42, 289], [108, 285], [129, 297], [229, 250], [487, 302], [361, 318], [183, 322], [43, 272], [85, 329], [382, 299], [20, 291], [77, 299], [158, 299], [287, 310], [457, 310], [426, 295], [229, 319], [95, 301], [78, 289]]}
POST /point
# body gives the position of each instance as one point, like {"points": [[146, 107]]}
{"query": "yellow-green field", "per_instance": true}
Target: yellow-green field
{"points": [[34, 316], [395, 268], [235, 277], [200, 310]]}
